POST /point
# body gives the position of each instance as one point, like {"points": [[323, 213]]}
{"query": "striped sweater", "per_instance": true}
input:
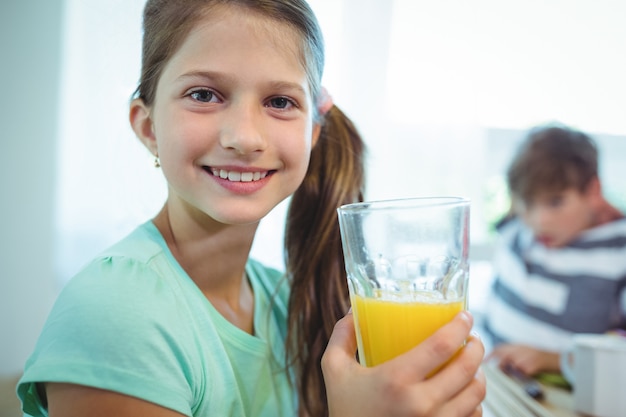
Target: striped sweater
{"points": [[540, 296]]}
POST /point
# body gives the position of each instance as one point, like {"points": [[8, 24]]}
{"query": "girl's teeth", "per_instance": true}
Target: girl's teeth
{"points": [[239, 176]]}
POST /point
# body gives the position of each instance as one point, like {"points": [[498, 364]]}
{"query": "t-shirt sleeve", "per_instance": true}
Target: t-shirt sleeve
{"points": [[115, 326]]}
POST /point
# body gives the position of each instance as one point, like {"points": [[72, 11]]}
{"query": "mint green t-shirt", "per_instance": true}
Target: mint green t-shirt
{"points": [[132, 321]]}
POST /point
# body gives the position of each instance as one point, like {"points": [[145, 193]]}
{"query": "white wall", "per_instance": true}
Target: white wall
{"points": [[30, 39]]}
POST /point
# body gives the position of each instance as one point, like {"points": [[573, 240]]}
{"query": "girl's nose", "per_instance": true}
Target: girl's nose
{"points": [[242, 129]]}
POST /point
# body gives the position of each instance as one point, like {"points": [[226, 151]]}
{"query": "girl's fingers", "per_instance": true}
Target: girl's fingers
{"points": [[455, 377], [436, 350], [467, 402], [455, 391], [341, 345]]}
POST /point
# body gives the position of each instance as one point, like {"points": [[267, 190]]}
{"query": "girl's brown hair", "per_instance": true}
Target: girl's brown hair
{"points": [[335, 176], [166, 24], [314, 257]]}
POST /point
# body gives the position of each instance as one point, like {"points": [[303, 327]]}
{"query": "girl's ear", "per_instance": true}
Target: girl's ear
{"points": [[141, 122], [317, 129], [324, 104]]}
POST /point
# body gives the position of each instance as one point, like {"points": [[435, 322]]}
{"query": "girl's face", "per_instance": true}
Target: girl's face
{"points": [[232, 120]]}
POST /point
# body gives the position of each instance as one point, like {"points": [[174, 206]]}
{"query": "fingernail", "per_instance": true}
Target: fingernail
{"points": [[467, 316]]}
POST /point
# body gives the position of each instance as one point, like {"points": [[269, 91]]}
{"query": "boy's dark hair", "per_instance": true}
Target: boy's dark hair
{"points": [[552, 159]]}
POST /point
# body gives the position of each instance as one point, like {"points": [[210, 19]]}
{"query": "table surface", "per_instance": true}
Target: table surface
{"points": [[507, 398]]}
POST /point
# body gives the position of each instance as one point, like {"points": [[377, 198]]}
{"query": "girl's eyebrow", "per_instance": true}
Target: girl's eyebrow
{"points": [[209, 75], [226, 78], [285, 85]]}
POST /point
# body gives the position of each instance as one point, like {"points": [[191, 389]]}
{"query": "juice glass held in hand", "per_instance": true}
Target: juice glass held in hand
{"points": [[407, 267]]}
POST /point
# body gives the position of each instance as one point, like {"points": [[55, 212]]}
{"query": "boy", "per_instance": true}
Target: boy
{"points": [[560, 262]]}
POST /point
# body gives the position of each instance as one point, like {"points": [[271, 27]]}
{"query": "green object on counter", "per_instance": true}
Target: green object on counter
{"points": [[553, 379]]}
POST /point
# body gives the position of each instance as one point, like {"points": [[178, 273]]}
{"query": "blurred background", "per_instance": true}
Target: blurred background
{"points": [[442, 92]]}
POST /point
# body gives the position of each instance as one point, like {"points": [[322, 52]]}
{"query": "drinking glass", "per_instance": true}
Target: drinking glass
{"points": [[407, 267]]}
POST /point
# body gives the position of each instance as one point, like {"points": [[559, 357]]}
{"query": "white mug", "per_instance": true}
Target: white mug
{"points": [[596, 367]]}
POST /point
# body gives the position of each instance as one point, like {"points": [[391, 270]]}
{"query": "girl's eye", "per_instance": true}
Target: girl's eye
{"points": [[280, 103], [203, 96]]}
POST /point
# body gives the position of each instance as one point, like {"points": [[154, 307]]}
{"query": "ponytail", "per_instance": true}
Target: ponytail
{"points": [[314, 256]]}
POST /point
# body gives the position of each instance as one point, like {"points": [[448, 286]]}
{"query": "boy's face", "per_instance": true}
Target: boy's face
{"points": [[557, 218]]}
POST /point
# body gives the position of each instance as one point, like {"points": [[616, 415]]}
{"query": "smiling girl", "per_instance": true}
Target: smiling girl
{"points": [[176, 320]]}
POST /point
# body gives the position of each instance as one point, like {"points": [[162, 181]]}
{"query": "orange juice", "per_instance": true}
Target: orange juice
{"points": [[388, 327]]}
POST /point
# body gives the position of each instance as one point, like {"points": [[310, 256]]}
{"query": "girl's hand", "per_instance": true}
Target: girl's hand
{"points": [[399, 387], [526, 359]]}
